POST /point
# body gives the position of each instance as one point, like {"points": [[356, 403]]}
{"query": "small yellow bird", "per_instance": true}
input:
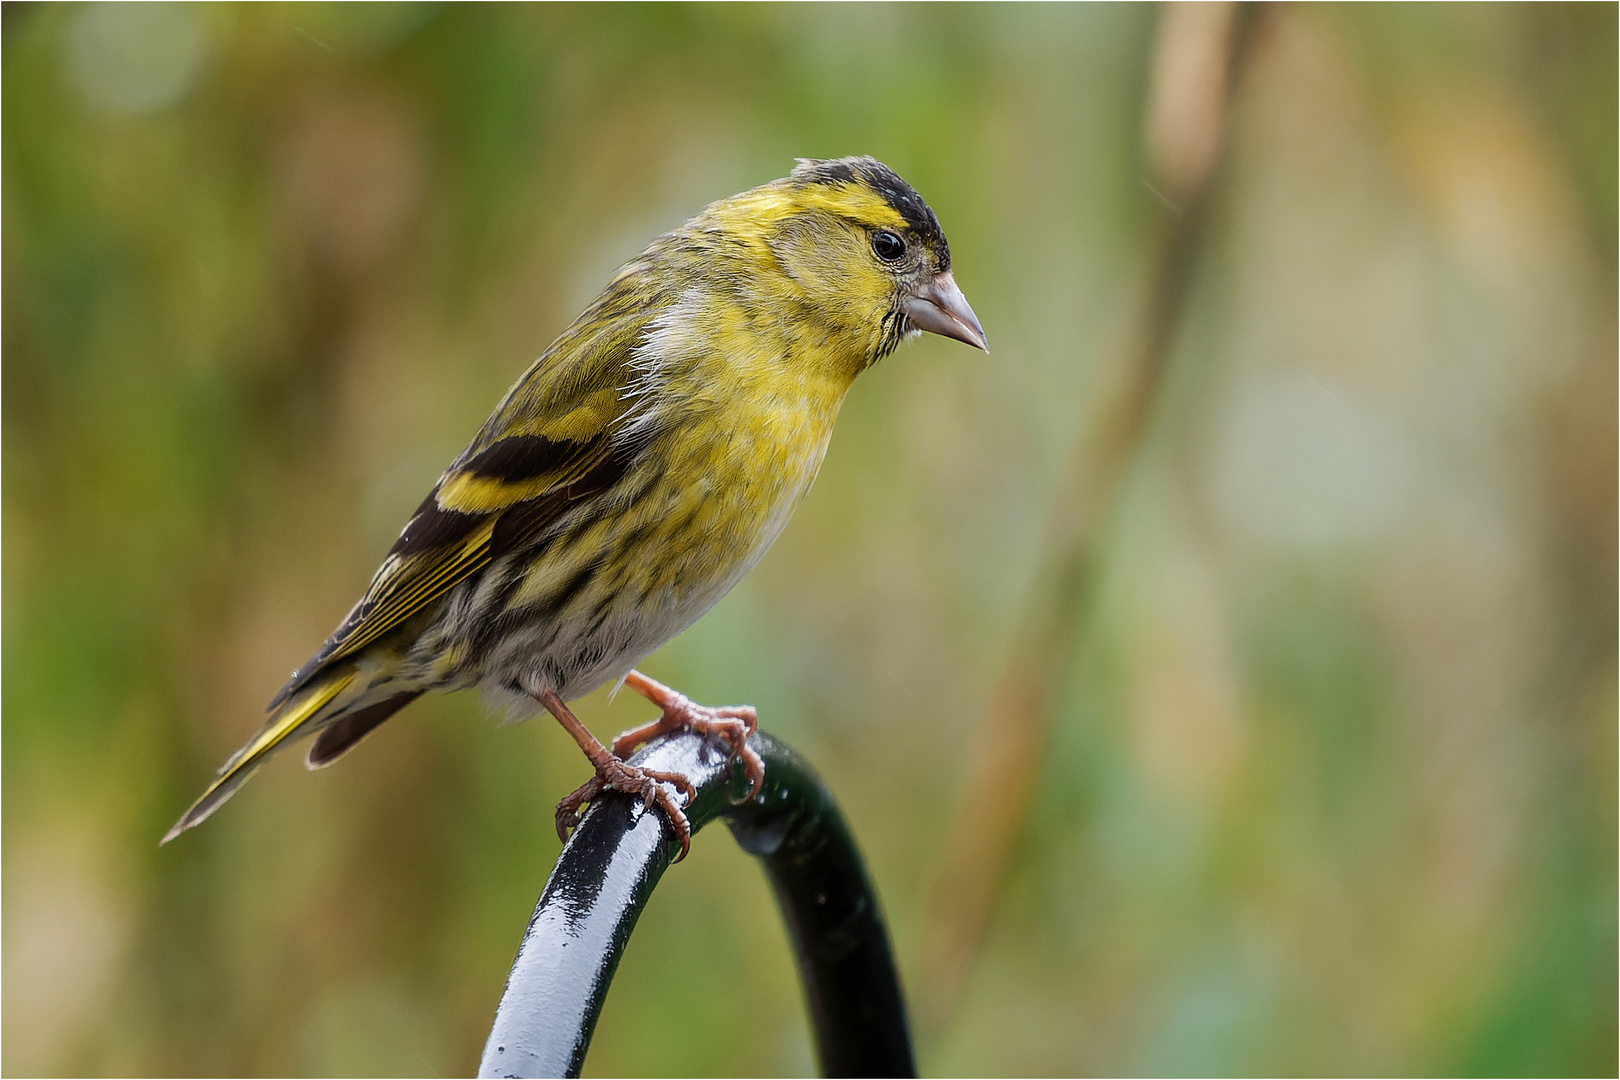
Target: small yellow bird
{"points": [[633, 475]]}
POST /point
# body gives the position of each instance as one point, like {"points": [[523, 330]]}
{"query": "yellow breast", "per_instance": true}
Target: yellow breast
{"points": [[737, 417], [752, 415]]}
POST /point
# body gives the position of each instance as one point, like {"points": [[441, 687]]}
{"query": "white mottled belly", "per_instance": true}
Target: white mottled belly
{"points": [[703, 522]]}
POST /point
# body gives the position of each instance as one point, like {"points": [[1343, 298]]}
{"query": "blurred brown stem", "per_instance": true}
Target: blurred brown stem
{"points": [[1197, 52]]}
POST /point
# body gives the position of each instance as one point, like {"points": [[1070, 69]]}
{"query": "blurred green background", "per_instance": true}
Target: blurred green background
{"points": [[1332, 783]]}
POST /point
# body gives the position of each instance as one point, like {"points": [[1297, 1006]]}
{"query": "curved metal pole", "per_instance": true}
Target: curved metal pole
{"points": [[606, 874]]}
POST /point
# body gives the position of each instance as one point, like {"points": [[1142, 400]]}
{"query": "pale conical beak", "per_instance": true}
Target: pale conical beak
{"points": [[940, 308]]}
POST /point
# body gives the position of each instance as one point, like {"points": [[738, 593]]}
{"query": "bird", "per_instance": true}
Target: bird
{"points": [[631, 477]]}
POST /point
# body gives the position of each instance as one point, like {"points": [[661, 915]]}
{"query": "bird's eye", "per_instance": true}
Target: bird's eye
{"points": [[888, 246]]}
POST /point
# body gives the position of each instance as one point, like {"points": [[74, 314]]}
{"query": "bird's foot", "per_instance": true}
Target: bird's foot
{"points": [[731, 724], [645, 784], [613, 774]]}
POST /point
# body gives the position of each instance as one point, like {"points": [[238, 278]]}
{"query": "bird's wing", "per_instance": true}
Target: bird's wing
{"points": [[550, 444]]}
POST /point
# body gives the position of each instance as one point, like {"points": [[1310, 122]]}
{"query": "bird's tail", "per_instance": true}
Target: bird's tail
{"points": [[301, 712]]}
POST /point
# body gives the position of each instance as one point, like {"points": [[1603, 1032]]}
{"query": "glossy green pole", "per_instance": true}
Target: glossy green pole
{"points": [[609, 868]]}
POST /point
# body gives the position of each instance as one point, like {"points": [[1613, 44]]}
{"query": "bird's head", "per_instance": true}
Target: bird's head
{"points": [[861, 251]]}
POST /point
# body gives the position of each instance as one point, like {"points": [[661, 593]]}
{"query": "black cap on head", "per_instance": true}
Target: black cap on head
{"points": [[872, 173]]}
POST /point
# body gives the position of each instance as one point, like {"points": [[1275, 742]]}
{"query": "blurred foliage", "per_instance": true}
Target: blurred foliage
{"points": [[1333, 786]]}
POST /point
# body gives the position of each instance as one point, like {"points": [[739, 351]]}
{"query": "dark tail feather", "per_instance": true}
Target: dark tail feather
{"points": [[339, 737], [291, 720], [212, 799]]}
